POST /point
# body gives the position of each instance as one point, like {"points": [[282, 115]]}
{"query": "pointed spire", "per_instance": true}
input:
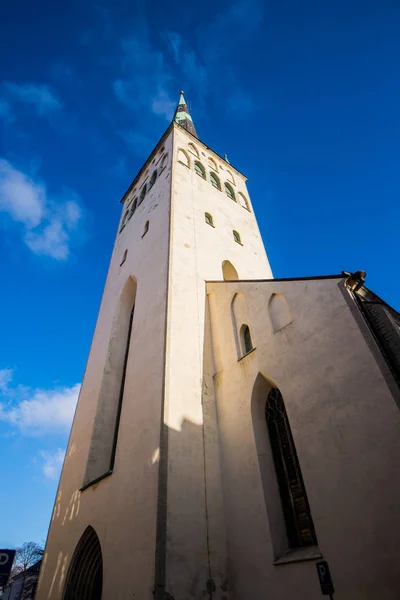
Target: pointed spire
{"points": [[182, 116]]}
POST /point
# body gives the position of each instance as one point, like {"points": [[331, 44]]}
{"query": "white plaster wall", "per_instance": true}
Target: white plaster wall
{"points": [[197, 253], [345, 423], [121, 507]]}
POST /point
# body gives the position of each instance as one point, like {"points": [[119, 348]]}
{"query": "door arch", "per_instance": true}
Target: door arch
{"points": [[85, 573]]}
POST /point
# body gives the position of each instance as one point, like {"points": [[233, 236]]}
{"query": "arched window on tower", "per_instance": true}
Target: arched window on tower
{"points": [[296, 510], [245, 339], [103, 444], [229, 176], [133, 208], [192, 148], [215, 181], [146, 228], [209, 219], [142, 194], [229, 191], [125, 219], [152, 180], [163, 162], [243, 201], [200, 170], [236, 237], [212, 164], [229, 272], [183, 158]]}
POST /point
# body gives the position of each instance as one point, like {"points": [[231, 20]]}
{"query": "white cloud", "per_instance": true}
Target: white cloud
{"points": [[41, 97], [48, 222], [5, 379], [37, 411], [52, 463]]}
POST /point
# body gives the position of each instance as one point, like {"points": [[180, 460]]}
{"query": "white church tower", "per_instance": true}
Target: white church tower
{"points": [[134, 467], [233, 431]]}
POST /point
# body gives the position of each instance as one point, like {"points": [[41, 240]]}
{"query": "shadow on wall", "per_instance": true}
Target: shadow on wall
{"points": [[81, 573]]}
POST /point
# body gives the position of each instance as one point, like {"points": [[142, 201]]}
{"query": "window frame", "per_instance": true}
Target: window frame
{"points": [[227, 186], [236, 237], [209, 219], [216, 179], [288, 474], [202, 173]]}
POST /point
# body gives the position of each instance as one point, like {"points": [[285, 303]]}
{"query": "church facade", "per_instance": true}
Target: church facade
{"points": [[233, 430]]}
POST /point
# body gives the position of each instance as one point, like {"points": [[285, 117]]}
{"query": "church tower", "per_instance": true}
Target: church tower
{"points": [[236, 435], [136, 498]]}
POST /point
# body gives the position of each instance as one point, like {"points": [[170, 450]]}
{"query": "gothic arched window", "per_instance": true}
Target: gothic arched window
{"points": [[244, 201], [229, 272], [230, 177], [296, 510], [192, 148], [212, 164], [200, 170], [142, 194], [85, 574], [229, 191], [183, 158], [215, 181], [133, 208], [153, 179], [245, 339], [146, 228], [209, 219], [236, 237], [103, 443]]}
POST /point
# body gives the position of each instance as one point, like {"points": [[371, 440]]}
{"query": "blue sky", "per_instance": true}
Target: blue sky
{"points": [[304, 99]]}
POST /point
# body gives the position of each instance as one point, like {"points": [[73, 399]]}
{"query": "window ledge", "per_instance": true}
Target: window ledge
{"points": [[247, 353], [298, 555], [182, 163], [94, 481]]}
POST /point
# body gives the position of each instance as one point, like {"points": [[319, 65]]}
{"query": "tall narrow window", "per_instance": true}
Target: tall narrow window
{"points": [[296, 510], [142, 194], [146, 228], [133, 208], [200, 170], [153, 179], [209, 219], [236, 237], [229, 191], [105, 429], [215, 181], [123, 259], [245, 338]]}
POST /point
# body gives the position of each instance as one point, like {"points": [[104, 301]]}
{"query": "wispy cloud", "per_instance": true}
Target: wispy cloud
{"points": [[41, 97], [52, 463], [5, 379], [48, 221], [37, 411]]}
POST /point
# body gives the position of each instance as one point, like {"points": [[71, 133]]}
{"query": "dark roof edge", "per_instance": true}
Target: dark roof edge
{"points": [[197, 139], [377, 299], [146, 163], [277, 279]]}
